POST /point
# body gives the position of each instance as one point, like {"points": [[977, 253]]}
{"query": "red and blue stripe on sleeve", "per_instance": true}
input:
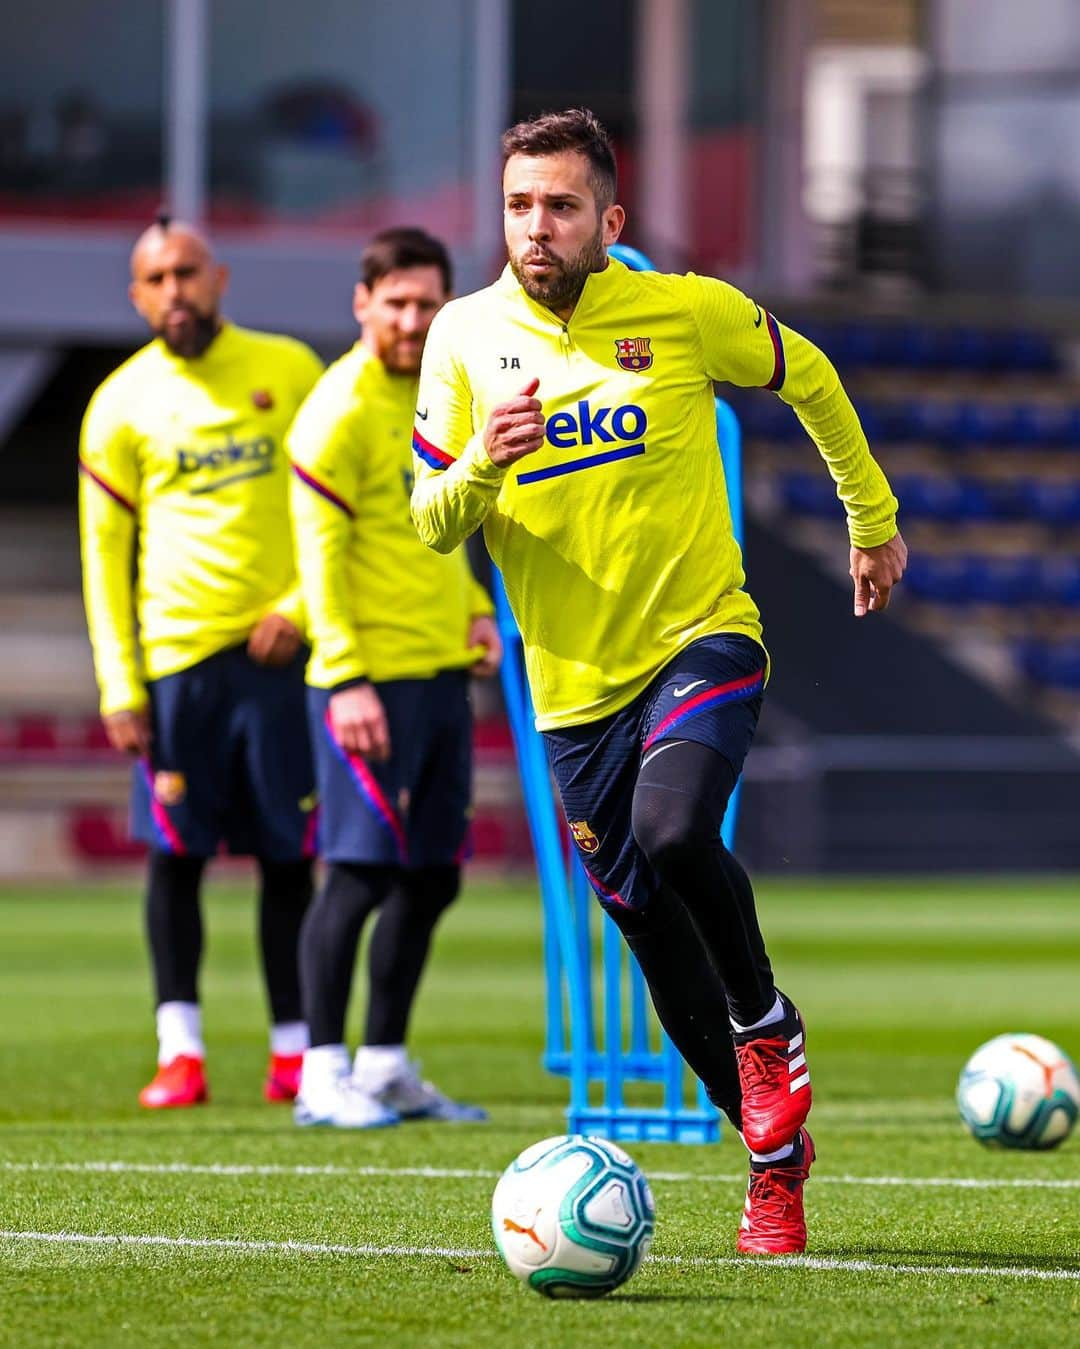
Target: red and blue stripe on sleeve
{"points": [[429, 453]]}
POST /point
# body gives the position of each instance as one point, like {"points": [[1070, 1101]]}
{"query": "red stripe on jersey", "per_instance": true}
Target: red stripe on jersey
{"points": [[779, 362], [107, 488], [324, 491]]}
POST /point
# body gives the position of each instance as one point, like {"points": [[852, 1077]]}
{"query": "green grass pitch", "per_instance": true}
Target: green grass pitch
{"points": [[917, 1234]]}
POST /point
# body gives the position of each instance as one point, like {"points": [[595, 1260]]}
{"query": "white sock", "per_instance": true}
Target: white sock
{"points": [[775, 1013], [777, 1156], [323, 1066], [375, 1065], [179, 1031], [288, 1038]]}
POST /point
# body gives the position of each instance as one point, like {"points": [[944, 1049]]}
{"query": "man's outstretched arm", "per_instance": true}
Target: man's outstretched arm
{"points": [[744, 344]]}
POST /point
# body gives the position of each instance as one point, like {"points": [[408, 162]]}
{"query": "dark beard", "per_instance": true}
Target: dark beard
{"points": [[195, 342], [563, 289]]}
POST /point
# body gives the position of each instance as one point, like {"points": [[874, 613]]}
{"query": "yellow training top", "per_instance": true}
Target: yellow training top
{"points": [[380, 605], [188, 454], [614, 538]]}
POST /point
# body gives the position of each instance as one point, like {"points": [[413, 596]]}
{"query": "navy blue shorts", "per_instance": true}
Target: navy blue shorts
{"points": [[710, 693], [412, 811], [230, 761]]}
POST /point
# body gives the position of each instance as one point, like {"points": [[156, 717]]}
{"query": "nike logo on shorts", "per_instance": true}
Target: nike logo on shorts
{"points": [[681, 693], [422, 415]]}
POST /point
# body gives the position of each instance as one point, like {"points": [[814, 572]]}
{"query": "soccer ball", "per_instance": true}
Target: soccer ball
{"points": [[573, 1216], [1019, 1091]]}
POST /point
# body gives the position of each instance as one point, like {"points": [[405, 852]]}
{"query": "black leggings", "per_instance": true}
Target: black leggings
{"points": [[175, 930], [698, 942], [410, 904]]}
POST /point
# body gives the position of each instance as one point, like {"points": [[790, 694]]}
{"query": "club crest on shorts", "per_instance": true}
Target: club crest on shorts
{"points": [[169, 788], [583, 835], [633, 353], [263, 399]]}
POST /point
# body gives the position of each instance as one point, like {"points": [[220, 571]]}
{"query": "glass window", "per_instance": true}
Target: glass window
{"points": [[337, 117], [80, 110]]}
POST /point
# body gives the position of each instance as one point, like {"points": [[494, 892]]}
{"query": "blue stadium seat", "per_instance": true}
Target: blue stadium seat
{"points": [[923, 346], [1031, 353], [1036, 425], [1052, 501], [927, 498], [968, 349], [1010, 581], [1005, 499], [1059, 581], [958, 578], [1053, 664], [811, 494], [1070, 435], [976, 425], [766, 417], [941, 578]]}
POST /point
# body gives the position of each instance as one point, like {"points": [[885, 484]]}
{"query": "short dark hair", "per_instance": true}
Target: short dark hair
{"points": [[576, 129], [397, 249]]}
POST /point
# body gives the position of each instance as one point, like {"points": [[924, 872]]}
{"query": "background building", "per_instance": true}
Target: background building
{"points": [[898, 179]]}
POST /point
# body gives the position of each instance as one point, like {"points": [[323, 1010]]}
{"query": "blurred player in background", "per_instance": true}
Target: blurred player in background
{"points": [[569, 410], [395, 632], [200, 659]]}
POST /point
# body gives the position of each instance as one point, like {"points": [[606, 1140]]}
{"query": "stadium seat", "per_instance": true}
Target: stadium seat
{"points": [[927, 497], [1059, 581], [810, 494], [942, 579], [1055, 665], [766, 417], [1005, 580], [1051, 501], [870, 344]]}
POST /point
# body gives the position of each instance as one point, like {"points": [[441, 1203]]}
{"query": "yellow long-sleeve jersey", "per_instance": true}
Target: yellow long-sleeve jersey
{"points": [[380, 605], [614, 538], [187, 455]]}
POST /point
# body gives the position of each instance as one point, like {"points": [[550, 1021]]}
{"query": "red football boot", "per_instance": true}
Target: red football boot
{"points": [[181, 1081], [283, 1077], [773, 1221], [775, 1081]]}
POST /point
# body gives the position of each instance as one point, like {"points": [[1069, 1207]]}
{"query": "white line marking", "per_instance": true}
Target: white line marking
{"points": [[246, 1246], [811, 1262], [459, 1173]]}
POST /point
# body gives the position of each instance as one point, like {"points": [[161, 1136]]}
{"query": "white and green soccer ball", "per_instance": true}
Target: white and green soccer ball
{"points": [[1019, 1091], [573, 1216]]}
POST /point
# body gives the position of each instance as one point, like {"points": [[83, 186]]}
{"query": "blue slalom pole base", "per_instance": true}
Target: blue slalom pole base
{"points": [[628, 1125]]}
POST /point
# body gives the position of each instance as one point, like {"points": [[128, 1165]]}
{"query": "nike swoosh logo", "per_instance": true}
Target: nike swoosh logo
{"points": [[668, 744], [757, 321], [422, 415], [681, 693]]}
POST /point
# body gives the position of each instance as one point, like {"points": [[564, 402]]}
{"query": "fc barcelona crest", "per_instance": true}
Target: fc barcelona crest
{"points": [[583, 836], [633, 353]]}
